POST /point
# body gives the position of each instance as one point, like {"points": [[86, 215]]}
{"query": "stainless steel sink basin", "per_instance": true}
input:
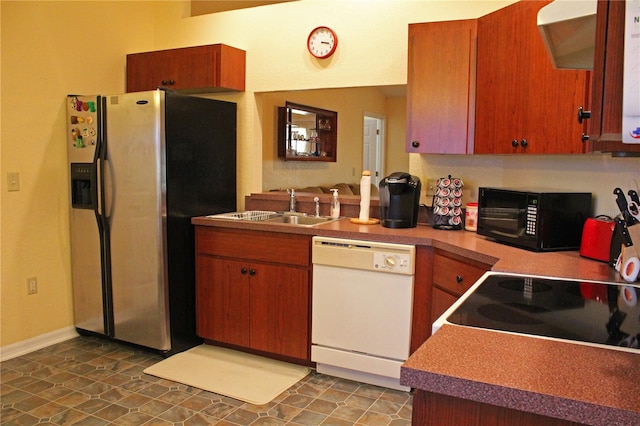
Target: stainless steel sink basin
{"points": [[286, 218], [300, 220]]}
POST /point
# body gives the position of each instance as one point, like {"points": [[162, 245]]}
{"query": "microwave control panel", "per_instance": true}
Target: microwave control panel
{"points": [[532, 216]]}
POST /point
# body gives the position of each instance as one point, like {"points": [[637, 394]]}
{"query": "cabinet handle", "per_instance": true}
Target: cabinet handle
{"points": [[168, 82], [243, 271], [415, 144], [585, 137], [514, 143], [458, 279], [252, 272], [524, 143], [583, 115]]}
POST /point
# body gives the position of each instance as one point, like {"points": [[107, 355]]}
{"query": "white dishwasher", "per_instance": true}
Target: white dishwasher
{"points": [[361, 309]]}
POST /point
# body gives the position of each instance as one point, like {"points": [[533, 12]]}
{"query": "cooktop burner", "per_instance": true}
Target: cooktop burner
{"points": [[600, 313]]}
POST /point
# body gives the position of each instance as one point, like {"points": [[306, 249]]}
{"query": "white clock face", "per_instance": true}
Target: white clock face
{"points": [[322, 42]]}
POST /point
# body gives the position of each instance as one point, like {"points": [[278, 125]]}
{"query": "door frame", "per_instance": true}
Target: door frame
{"points": [[380, 145]]}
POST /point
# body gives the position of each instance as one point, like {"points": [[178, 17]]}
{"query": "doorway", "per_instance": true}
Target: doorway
{"points": [[373, 146]]}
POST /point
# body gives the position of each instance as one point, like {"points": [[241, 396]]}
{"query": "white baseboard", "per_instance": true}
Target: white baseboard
{"points": [[38, 342]]}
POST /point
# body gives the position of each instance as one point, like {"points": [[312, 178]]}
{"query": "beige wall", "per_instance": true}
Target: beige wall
{"points": [[50, 49], [351, 104], [53, 48], [396, 158], [595, 173]]}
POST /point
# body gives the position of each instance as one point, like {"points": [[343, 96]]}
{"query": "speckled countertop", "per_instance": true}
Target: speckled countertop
{"points": [[570, 381], [566, 264], [573, 382]]}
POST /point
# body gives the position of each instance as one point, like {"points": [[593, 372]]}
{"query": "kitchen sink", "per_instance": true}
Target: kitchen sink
{"points": [[285, 218], [300, 220]]}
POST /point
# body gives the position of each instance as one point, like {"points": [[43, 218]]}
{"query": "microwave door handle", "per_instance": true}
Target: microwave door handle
{"points": [[506, 234]]}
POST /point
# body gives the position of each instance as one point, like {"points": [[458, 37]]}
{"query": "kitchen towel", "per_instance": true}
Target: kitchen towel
{"points": [[365, 195], [246, 377]]}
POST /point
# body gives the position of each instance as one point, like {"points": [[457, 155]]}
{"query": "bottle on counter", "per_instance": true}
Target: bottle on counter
{"points": [[335, 204], [471, 217]]}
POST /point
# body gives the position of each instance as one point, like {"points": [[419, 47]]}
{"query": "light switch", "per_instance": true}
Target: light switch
{"points": [[13, 181]]}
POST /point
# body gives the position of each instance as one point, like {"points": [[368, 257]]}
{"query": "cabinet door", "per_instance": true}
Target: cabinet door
{"points": [[441, 301], [280, 310], [523, 104], [222, 300], [440, 87], [605, 125]]}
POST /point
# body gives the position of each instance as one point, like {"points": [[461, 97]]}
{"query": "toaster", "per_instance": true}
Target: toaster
{"points": [[596, 238]]}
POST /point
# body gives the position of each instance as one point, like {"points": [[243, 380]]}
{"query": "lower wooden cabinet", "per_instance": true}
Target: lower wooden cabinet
{"points": [[441, 410], [248, 296]]}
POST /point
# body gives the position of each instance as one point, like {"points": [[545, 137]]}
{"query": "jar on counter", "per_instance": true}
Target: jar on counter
{"points": [[471, 217]]}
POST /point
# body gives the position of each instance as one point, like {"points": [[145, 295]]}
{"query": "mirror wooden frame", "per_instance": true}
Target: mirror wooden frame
{"points": [[318, 142]]}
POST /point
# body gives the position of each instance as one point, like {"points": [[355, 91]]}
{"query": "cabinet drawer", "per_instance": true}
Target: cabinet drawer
{"points": [[453, 275], [289, 249]]}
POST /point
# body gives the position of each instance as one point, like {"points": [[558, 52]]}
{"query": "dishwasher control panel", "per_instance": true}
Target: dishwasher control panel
{"points": [[392, 262], [376, 256]]}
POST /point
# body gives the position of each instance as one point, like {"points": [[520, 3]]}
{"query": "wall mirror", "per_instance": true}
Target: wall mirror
{"points": [[307, 133]]}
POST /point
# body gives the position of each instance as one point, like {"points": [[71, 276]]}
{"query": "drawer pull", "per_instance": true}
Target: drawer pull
{"points": [[458, 279]]}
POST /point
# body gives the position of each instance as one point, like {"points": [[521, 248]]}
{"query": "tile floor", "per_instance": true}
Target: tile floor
{"points": [[91, 381]]}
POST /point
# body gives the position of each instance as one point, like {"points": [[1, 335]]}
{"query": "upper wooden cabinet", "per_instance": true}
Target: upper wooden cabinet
{"points": [[605, 125], [523, 104], [199, 69], [487, 86], [441, 87]]}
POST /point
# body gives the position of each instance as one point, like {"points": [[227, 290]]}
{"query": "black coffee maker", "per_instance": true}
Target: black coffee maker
{"points": [[399, 200]]}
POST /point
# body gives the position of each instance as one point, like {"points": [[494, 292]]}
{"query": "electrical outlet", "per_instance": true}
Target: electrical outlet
{"points": [[430, 187], [13, 181], [32, 285]]}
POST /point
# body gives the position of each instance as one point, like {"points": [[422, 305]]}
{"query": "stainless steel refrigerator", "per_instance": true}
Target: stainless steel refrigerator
{"points": [[140, 166]]}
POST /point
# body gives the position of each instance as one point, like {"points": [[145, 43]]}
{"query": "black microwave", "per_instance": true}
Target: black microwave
{"points": [[533, 220]]}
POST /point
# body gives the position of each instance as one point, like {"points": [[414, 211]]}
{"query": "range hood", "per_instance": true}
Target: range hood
{"points": [[568, 29]]}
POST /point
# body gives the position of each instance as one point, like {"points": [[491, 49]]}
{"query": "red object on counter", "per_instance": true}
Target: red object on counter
{"points": [[596, 238]]}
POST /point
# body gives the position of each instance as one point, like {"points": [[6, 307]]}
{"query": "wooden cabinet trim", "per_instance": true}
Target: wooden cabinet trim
{"points": [[422, 288]]}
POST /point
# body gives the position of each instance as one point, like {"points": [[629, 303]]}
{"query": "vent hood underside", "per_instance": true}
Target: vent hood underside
{"points": [[568, 29]]}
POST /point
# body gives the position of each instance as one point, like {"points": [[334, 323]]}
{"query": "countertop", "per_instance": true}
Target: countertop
{"points": [[565, 264], [558, 379], [568, 381]]}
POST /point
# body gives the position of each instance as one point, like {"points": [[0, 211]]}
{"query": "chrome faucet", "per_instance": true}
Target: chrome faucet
{"points": [[292, 200], [317, 201]]}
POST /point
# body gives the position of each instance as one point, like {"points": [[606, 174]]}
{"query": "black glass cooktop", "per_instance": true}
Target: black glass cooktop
{"points": [[606, 314]]}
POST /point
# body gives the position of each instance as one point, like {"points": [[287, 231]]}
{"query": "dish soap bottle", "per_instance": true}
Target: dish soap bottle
{"points": [[335, 204]]}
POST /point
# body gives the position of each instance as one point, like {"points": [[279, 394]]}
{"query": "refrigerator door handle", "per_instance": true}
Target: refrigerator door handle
{"points": [[99, 189]]}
